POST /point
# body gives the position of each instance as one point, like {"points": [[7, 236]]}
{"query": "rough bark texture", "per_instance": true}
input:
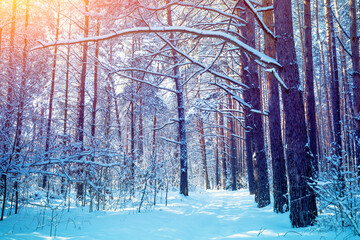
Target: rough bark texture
{"points": [[302, 210], [346, 105], [309, 83], [335, 95], [281, 201], [328, 123], [254, 120], [354, 40], [334, 76], [248, 132]]}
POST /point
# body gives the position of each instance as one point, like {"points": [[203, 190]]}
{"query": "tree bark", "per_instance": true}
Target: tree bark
{"points": [[254, 120], [233, 150], [216, 152], [51, 98], [335, 91], [327, 127], [81, 110], [309, 80], [203, 150], [222, 149], [181, 115], [302, 210], [281, 201], [354, 41], [95, 97], [6, 131]]}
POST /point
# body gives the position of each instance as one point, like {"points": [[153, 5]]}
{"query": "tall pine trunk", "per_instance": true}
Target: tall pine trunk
{"points": [[233, 151], [181, 114], [203, 150], [281, 202], [254, 120], [81, 109], [302, 210], [6, 131], [309, 83], [354, 41], [51, 99], [222, 149], [335, 91]]}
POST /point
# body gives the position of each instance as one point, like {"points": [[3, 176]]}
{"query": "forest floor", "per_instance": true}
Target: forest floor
{"points": [[202, 215]]}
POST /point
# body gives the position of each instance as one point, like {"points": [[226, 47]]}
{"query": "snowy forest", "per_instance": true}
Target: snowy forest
{"points": [[107, 105]]}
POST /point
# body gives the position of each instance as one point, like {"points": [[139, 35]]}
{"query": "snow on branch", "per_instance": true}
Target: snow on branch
{"points": [[172, 141], [239, 137], [264, 9], [259, 112], [278, 78], [167, 29], [198, 6], [262, 24], [237, 98], [145, 82], [141, 70], [172, 121], [205, 69]]}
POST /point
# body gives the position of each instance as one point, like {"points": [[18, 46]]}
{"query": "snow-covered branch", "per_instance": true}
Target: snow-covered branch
{"points": [[236, 97], [167, 29], [277, 76], [262, 24]]}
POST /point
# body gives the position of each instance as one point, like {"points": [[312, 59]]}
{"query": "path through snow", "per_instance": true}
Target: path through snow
{"points": [[202, 215]]}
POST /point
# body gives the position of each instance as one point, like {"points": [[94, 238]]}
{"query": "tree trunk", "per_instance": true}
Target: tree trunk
{"points": [[327, 127], [281, 201], [94, 105], [181, 115], [233, 150], [203, 150], [19, 121], [216, 152], [335, 91], [4, 189], [354, 41], [302, 210], [6, 131], [95, 97], [346, 105], [254, 120], [309, 80], [222, 149], [67, 85], [81, 111], [51, 99], [153, 156], [141, 129]]}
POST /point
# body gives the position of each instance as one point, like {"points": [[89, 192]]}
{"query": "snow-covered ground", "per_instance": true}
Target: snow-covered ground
{"points": [[202, 215]]}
